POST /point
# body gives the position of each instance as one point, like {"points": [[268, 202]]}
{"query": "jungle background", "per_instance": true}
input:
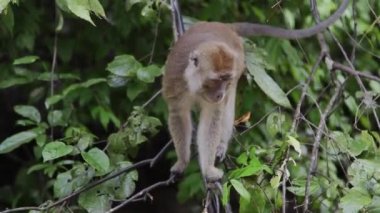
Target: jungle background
{"points": [[79, 102]]}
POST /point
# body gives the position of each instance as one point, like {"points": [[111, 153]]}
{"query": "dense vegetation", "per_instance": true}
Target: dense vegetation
{"points": [[79, 102]]}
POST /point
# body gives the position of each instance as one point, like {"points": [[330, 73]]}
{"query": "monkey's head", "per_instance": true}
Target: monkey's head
{"points": [[211, 71]]}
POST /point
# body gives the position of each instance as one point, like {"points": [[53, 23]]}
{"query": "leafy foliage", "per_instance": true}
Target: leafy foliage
{"points": [[74, 92]]}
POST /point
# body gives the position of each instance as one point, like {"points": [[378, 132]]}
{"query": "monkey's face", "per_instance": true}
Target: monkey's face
{"points": [[214, 90]]}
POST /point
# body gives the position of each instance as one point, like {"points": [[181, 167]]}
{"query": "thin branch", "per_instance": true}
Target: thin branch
{"points": [[317, 141], [155, 37], [151, 98], [143, 192], [304, 92], [177, 21], [344, 68], [53, 66]]}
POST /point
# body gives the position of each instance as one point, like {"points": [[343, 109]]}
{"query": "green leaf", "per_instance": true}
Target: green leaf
{"points": [[63, 185], [85, 84], [7, 19], [52, 100], [14, 81], [97, 8], [360, 144], [148, 74], [25, 60], [265, 82], [95, 200], [54, 150], [55, 118], [134, 89], [239, 187], [28, 112], [295, 144], [354, 200], [341, 140], [116, 81], [117, 142], [252, 168], [3, 4], [362, 170], [81, 9], [124, 65], [97, 159], [298, 187], [16, 140], [275, 181], [226, 193], [124, 185], [37, 167], [277, 124]]}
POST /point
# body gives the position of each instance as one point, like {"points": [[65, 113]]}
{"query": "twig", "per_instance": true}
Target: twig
{"points": [[304, 92], [155, 37], [143, 192], [344, 68], [151, 98], [53, 66], [177, 21], [317, 141]]}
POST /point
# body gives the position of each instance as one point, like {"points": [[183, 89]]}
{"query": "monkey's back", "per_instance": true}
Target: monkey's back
{"points": [[178, 57]]}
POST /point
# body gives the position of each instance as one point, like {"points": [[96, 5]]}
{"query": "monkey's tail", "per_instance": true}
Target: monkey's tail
{"points": [[250, 29]]}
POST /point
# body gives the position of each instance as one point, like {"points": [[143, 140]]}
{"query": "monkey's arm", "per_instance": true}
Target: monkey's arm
{"points": [[250, 29]]}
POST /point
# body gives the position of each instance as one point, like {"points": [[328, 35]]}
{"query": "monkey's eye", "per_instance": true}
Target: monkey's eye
{"points": [[225, 77], [194, 60]]}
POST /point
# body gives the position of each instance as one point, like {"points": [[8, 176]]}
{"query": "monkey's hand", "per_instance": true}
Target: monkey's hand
{"points": [[221, 152]]}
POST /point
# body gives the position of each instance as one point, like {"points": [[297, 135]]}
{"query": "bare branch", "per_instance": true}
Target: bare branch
{"points": [[353, 72], [143, 192], [317, 141]]}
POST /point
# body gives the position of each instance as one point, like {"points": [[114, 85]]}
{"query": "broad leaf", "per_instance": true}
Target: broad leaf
{"points": [[97, 159], [148, 74], [123, 185], [29, 112], [81, 9], [25, 60], [239, 187], [3, 4], [354, 200], [63, 185], [97, 8], [124, 65], [295, 144], [265, 82], [95, 200], [55, 118], [16, 140], [55, 150]]}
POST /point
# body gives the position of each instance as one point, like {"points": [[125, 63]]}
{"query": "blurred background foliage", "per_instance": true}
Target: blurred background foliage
{"points": [[76, 81]]}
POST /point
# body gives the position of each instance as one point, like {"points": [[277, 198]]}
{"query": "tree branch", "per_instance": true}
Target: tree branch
{"points": [[143, 192], [317, 141]]}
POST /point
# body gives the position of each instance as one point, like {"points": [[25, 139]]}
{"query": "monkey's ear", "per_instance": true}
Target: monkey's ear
{"points": [[194, 58]]}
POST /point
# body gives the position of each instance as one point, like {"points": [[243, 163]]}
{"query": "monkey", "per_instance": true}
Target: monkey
{"points": [[202, 69]]}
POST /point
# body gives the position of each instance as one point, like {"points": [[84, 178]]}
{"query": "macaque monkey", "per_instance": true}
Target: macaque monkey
{"points": [[203, 69]]}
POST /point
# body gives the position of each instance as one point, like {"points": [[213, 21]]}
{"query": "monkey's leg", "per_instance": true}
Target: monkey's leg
{"points": [[227, 124], [208, 138], [180, 128]]}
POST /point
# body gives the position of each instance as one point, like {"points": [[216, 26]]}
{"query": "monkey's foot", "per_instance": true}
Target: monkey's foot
{"points": [[221, 152], [177, 169], [213, 174]]}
